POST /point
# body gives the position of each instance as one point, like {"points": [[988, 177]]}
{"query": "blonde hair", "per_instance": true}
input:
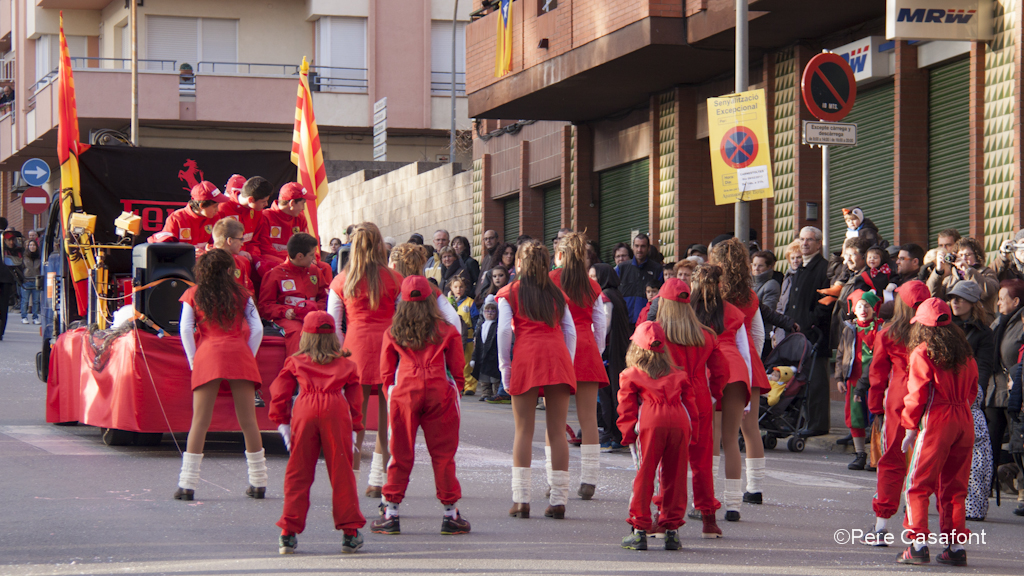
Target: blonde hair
{"points": [[321, 348], [575, 279], [793, 248], [680, 323], [409, 259], [366, 260], [654, 364], [226, 227], [458, 280], [539, 299], [685, 263]]}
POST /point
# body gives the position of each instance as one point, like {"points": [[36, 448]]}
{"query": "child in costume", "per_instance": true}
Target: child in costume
{"points": [[293, 289], [464, 305], [852, 361], [485, 355]]}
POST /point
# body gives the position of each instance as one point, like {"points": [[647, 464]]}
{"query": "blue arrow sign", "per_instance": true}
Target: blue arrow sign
{"points": [[35, 172]]}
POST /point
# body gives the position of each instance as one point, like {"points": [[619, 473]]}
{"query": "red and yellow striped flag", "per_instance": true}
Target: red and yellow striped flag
{"points": [[306, 152], [503, 57], [68, 150]]}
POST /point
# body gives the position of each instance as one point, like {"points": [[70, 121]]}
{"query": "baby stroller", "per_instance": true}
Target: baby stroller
{"points": [[794, 358]]}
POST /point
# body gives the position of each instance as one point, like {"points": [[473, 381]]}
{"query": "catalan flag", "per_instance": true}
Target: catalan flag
{"points": [[503, 58], [68, 150], [306, 152]]}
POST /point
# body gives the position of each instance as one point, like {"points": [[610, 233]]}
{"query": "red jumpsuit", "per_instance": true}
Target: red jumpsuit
{"points": [[540, 357], [249, 218], [186, 226], [242, 272], [665, 412], [271, 237], [939, 402], [421, 395], [587, 362], [759, 378], [326, 412], [221, 354], [708, 372], [288, 287], [888, 375], [366, 326]]}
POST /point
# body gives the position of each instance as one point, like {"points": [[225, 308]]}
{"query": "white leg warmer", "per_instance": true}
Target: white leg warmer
{"points": [[755, 474], [547, 463], [559, 482], [377, 470], [189, 477], [521, 479], [733, 494], [257, 468], [590, 463], [714, 467]]}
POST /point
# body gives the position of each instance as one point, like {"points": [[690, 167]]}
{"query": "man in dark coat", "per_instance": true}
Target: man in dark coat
{"points": [[635, 275]]}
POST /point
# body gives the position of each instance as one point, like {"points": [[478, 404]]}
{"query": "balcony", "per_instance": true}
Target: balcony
{"points": [[441, 83]]}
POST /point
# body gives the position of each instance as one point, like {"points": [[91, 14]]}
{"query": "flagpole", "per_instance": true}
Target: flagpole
{"points": [[451, 138], [135, 72]]}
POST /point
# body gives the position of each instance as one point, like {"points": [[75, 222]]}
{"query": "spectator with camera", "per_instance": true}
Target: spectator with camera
{"points": [[1010, 262], [964, 262]]}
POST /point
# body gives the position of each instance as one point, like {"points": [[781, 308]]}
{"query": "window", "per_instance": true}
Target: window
{"points": [[340, 55], [48, 53], [545, 6], [126, 43], [206, 44], [441, 57]]}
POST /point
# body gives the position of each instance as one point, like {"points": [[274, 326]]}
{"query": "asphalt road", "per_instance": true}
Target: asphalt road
{"points": [[71, 505]]}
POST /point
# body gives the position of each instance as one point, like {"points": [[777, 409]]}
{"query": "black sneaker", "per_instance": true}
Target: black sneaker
{"points": [[259, 400], [457, 525], [752, 497], [732, 515], [485, 398], [1019, 510], [951, 558], [636, 540], [859, 462], [349, 544], [287, 544], [845, 440], [386, 525], [256, 493], [469, 393], [876, 538], [672, 540], [500, 399], [912, 556], [184, 494]]}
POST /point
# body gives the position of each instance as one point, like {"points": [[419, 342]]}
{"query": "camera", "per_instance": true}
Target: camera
{"points": [[949, 258]]}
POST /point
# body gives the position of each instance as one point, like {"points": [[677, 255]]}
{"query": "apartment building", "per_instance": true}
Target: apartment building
{"points": [[223, 75]]}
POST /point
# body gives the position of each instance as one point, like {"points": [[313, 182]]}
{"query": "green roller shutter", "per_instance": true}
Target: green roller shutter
{"points": [[624, 204], [552, 212], [511, 220], [949, 149], [862, 175]]}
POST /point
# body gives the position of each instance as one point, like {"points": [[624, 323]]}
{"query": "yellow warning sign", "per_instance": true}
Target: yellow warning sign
{"points": [[741, 156]]}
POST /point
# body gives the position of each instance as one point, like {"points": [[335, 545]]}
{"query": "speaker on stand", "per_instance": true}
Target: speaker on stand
{"points": [[172, 263]]}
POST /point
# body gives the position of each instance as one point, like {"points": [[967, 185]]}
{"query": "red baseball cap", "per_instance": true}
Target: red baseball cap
{"points": [[415, 289], [291, 191], [649, 336], [913, 293], [205, 191], [933, 312], [318, 322], [675, 290], [235, 184]]}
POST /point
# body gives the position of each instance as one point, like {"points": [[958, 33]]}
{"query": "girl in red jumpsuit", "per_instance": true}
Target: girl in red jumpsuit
{"points": [[364, 295], [326, 411], [417, 350], [658, 412], [586, 304], [943, 383], [695, 349], [533, 308], [221, 332], [888, 376]]}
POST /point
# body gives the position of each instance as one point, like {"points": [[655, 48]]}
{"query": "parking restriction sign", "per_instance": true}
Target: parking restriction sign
{"points": [[741, 163]]}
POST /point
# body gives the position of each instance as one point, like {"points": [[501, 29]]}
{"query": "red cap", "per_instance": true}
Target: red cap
{"points": [[675, 290], [415, 289], [649, 336], [318, 322], [933, 312], [913, 293], [205, 191], [291, 191], [235, 184]]}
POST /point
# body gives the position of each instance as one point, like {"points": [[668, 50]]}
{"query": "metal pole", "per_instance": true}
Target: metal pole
{"points": [[742, 217], [824, 201], [135, 72], [455, 28]]}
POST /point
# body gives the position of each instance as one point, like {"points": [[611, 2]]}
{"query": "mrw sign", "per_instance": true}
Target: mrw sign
{"points": [[740, 150], [946, 20]]}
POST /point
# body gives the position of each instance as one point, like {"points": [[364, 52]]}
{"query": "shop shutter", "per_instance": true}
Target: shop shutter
{"points": [[949, 149], [172, 38], [511, 220], [552, 213], [862, 175], [624, 204]]}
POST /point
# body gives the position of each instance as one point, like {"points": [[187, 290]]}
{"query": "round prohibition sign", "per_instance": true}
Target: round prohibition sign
{"points": [[828, 87], [739, 147]]}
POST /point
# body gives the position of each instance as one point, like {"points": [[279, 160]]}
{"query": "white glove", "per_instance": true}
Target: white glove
{"points": [[908, 440], [472, 363], [747, 409], [286, 434]]}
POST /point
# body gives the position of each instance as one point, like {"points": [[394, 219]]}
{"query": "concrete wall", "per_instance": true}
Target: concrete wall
{"points": [[410, 199]]}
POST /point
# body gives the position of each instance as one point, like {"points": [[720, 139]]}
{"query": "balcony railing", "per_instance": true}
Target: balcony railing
{"points": [[441, 83], [7, 68]]}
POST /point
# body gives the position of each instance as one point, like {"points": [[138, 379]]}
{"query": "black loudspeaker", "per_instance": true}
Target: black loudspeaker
{"points": [[153, 262]]}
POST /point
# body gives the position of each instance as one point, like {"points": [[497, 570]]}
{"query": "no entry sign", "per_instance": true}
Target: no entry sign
{"points": [[828, 87], [35, 200]]}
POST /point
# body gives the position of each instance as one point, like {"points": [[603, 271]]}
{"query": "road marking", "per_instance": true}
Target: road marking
{"points": [[812, 480], [54, 441]]}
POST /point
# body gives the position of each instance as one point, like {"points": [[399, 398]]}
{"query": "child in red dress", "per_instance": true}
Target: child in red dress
{"points": [[326, 411], [221, 333], [294, 289]]}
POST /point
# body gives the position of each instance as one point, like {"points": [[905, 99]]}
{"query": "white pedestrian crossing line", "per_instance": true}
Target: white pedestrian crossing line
{"points": [[55, 441]]}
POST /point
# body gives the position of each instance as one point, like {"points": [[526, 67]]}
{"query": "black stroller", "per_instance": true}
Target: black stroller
{"points": [[789, 414]]}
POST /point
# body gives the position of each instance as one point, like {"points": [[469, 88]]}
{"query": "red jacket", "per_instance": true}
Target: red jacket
{"points": [[401, 365], [272, 235], [289, 287], [888, 371], [930, 387], [186, 226], [706, 365], [663, 400], [249, 218], [337, 376], [242, 268]]}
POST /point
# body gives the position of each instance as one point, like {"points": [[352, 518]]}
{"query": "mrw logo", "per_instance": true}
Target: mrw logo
{"points": [[934, 16]]}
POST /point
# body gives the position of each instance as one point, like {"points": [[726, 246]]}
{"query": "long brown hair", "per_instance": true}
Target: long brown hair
{"points": [[575, 279], [899, 325], [537, 292], [366, 260], [417, 324], [980, 313], [218, 295], [409, 259], [734, 258], [947, 345], [680, 323], [707, 298], [654, 364], [321, 348]]}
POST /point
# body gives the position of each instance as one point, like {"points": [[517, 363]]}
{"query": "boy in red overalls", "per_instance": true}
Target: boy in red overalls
{"points": [[227, 235], [193, 224], [246, 201], [279, 223], [294, 289]]}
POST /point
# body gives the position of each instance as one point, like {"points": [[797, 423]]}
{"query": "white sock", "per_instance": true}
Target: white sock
{"points": [[521, 478], [189, 477], [733, 494], [880, 523], [547, 465], [919, 545], [590, 463], [392, 508], [450, 510], [377, 470], [755, 474], [559, 482], [714, 467], [858, 444], [257, 468], [956, 547]]}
